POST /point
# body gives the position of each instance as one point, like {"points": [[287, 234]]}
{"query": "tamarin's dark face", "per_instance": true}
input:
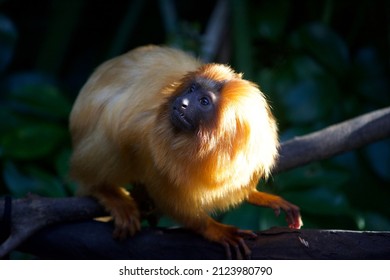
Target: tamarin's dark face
{"points": [[196, 105]]}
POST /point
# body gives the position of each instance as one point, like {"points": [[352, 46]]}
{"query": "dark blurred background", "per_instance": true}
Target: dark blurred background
{"points": [[319, 62]]}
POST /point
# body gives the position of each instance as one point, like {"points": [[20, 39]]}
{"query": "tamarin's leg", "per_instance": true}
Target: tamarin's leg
{"points": [[228, 236], [122, 208], [146, 206], [293, 216]]}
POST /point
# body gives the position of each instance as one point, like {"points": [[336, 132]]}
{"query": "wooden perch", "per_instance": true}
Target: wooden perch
{"points": [[32, 214], [93, 240]]}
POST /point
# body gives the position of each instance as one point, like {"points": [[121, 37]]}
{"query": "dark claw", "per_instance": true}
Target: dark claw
{"points": [[241, 249]]}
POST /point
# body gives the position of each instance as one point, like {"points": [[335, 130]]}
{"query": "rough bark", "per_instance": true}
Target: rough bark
{"points": [[81, 241]]}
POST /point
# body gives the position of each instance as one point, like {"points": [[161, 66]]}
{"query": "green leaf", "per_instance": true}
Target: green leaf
{"points": [[310, 176], [8, 37], [304, 91], [305, 67], [62, 163], [18, 184], [379, 157], [8, 120], [324, 45], [321, 201], [48, 184], [245, 217], [372, 221], [370, 77], [30, 95], [309, 100], [272, 18], [32, 141], [62, 168], [34, 180]]}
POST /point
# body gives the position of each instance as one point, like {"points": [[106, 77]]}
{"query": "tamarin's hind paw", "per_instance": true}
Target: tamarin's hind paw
{"points": [[237, 242], [126, 222], [231, 238], [122, 208]]}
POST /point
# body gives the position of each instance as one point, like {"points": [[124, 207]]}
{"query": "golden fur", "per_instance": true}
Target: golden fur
{"points": [[122, 133]]}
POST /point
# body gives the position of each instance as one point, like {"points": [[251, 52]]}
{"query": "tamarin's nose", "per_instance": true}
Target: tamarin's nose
{"points": [[184, 103]]}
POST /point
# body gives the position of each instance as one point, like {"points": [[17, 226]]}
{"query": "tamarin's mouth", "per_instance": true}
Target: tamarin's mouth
{"points": [[180, 121]]}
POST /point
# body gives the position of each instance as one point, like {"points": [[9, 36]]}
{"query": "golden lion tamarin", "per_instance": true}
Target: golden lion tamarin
{"points": [[197, 136]]}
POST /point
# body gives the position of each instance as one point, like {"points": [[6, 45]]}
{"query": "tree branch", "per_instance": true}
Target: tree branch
{"points": [[31, 214], [93, 240], [215, 31], [335, 139]]}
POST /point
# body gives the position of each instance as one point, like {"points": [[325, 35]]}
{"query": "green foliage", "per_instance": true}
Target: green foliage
{"points": [[8, 37], [34, 137], [33, 128], [316, 67], [314, 78]]}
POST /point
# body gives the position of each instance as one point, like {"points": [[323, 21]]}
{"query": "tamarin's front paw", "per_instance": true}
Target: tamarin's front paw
{"points": [[230, 237], [293, 215]]}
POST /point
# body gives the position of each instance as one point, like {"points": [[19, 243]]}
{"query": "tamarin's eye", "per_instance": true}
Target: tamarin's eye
{"points": [[204, 101]]}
